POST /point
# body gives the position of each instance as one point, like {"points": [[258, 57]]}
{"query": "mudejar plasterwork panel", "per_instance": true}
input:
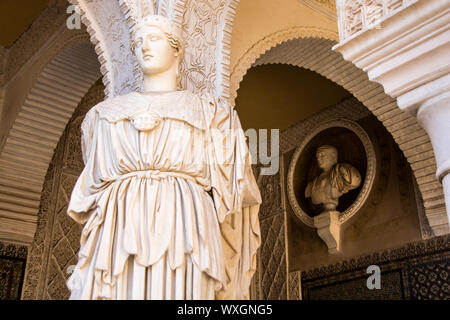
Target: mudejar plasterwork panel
{"points": [[359, 15]]}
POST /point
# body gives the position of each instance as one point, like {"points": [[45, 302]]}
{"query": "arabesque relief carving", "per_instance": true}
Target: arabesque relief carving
{"points": [[358, 15]]}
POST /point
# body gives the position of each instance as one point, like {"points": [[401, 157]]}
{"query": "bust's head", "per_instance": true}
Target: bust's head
{"points": [[327, 157], [156, 42]]}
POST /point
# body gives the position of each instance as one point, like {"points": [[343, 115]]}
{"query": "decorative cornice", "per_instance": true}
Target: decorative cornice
{"points": [[324, 7], [408, 48], [358, 16]]}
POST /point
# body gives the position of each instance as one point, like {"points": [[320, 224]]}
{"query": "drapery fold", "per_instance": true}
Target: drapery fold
{"points": [[237, 200], [142, 197]]}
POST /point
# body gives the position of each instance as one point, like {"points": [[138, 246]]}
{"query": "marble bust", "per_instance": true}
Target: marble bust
{"points": [[151, 228], [335, 179]]}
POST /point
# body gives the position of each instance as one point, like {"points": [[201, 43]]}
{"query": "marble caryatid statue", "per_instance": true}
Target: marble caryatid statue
{"points": [[167, 197], [335, 179]]}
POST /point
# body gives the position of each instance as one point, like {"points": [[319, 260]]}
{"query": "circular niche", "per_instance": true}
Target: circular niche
{"points": [[354, 147]]}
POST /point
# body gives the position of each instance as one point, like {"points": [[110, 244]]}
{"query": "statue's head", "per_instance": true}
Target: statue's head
{"points": [[156, 42], [327, 157]]}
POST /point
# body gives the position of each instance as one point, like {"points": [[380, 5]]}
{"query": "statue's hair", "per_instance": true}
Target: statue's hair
{"points": [[171, 31], [328, 148]]}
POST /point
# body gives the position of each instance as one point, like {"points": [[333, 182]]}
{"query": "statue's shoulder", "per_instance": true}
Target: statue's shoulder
{"points": [[118, 107], [117, 102]]}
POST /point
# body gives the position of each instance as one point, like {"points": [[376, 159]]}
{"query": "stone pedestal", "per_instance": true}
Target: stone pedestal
{"points": [[329, 229]]}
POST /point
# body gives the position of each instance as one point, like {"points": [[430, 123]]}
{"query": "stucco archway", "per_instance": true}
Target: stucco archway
{"points": [[314, 53], [48, 106]]}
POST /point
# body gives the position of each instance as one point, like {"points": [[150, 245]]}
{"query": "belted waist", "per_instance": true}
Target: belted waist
{"points": [[154, 174]]}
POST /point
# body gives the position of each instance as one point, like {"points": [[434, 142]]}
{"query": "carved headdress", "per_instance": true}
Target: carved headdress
{"points": [[146, 17]]}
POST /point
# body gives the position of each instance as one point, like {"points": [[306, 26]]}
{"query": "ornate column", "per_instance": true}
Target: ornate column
{"points": [[434, 115], [405, 46]]}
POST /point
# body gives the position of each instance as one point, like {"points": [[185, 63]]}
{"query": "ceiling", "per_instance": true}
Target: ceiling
{"points": [[280, 95], [16, 16]]}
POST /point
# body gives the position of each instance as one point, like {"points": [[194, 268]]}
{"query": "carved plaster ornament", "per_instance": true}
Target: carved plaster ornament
{"points": [[359, 15], [152, 231], [335, 180]]}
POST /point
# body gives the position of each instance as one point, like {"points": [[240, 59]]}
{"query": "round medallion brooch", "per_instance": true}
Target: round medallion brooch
{"points": [[145, 120]]}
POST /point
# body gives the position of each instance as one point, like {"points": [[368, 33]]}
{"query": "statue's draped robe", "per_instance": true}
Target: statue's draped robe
{"points": [[327, 188], [152, 230]]}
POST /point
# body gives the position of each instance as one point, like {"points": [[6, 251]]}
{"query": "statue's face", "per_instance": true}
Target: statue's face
{"points": [[325, 158], [153, 50]]}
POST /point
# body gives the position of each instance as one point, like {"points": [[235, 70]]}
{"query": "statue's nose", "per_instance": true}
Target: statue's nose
{"points": [[145, 45]]}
